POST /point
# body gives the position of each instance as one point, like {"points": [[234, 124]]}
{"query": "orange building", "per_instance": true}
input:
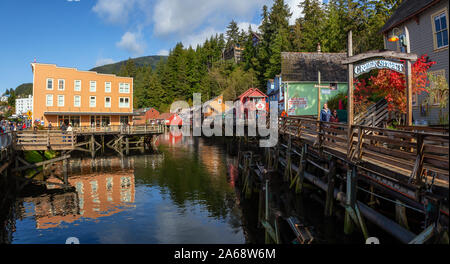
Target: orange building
{"points": [[83, 98]]}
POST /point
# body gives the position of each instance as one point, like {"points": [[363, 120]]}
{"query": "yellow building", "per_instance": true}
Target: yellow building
{"points": [[83, 98], [214, 106]]}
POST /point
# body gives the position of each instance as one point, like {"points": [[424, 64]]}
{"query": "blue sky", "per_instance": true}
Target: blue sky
{"points": [[89, 33]]}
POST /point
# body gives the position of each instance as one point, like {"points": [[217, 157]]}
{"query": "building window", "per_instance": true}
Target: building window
{"points": [[49, 84], [49, 101], [107, 87], [107, 102], [124, 88], [77, 101], [93, 86], [92, 101], [61, 85], [60, 100], [77, 86], [124, 102], [219, 101], [440, 29]]}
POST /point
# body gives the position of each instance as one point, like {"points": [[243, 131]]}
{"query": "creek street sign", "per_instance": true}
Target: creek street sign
{"points": [[378, 64]]}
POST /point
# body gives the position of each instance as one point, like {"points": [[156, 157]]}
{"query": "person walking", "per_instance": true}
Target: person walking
{"points": [[325, 113]]}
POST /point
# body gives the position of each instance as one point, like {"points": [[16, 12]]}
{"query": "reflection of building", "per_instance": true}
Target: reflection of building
{"points": [[97, 195]]}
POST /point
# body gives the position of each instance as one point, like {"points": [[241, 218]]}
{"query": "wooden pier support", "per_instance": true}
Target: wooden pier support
{"points": [[330, 192]]}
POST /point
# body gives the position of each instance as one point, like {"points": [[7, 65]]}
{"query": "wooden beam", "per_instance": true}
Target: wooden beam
{"points": [[374, 54], [41, 163]]}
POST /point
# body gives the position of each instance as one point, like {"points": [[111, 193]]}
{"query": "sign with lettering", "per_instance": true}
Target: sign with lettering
{"points": [[296, 102], [378, 64]]}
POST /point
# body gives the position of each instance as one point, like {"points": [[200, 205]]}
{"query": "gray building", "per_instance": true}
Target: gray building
{"points": [[427, 23]]}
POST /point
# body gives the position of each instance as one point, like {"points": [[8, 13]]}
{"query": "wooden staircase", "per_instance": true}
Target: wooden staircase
{"points": [[376, 115]]}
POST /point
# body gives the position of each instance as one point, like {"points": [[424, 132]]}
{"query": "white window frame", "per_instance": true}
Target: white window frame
{"points": [[106, 105], [74, 101], [433, 26], [46, 100], [46, 84], [95, 86], [124, 88], [58, 102], [108, 90], [63, 84], [90, 101], [123, 106], [75, 86]]}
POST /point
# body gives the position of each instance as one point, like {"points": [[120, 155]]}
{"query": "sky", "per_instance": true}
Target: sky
{"points": [[87, 33]]}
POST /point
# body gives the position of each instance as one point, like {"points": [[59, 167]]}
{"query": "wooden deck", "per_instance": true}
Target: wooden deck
{"points": [[414, 156], [58, 140]]}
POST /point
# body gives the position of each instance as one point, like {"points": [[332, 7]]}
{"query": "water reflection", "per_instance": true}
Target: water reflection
{"points": [[184, 194]]}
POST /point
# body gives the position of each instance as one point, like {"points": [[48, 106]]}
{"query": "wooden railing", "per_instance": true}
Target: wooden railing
{"points": [[43, 140], [421, 156]]}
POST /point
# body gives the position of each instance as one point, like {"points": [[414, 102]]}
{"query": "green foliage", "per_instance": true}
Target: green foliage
{"points": [[333, 102], [139, 62], [24, 89]]}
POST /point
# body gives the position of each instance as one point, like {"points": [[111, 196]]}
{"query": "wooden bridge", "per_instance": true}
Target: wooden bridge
{"points": [[54, 139], [414, 156]]}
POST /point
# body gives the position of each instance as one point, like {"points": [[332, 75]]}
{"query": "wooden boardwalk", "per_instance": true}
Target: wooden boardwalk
{"points": [[66, 141], [414, 156]]}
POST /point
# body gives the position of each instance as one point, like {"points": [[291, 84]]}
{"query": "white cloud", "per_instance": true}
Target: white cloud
{"points": [[132, 42], [163, 52], [199, 38], [114, 11], [178, 16], [103, 61], [244, 26], [295, 10]]}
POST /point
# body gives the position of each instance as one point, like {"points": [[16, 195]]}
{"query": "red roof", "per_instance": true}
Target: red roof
{"points": [[165, 116], [252, 92]]}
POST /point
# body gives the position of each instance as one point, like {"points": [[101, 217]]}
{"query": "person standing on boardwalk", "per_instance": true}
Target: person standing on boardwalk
{"points": [[334, 118], [325, 113]]}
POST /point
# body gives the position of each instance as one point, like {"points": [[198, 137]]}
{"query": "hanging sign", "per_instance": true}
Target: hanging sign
{"points": [[296, 103], [378, 64]]}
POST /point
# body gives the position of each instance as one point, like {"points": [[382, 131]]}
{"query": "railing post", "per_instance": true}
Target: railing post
{"points": [[420, 147]]}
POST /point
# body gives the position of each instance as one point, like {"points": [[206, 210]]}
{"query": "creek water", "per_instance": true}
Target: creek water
{"points": [[184, 193]]}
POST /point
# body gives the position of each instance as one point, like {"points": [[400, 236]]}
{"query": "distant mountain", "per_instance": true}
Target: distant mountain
{"points": [[141, 61], [24, 89]]}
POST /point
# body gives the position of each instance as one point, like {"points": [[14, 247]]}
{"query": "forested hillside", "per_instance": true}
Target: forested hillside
{"points": [[139, 62]]}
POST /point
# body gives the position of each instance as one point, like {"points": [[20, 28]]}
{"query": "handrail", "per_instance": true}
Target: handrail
{"points": [[412, 152]]}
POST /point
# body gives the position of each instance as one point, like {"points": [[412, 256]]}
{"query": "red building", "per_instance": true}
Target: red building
{"points": [[170, 119], [146, 116], [257, 97]]}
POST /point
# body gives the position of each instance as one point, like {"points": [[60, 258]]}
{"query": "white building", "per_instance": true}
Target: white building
{"points": [[4, 98], [23, 105]]}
